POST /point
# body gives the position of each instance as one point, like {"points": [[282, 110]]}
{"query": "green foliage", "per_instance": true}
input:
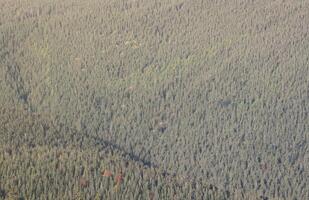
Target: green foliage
{"points": [[192, 100]]}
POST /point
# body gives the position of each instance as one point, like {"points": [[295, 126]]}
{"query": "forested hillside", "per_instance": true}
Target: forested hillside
{"points": [[165, 99]]}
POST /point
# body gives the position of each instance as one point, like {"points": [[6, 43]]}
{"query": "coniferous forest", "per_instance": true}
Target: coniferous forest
{"points": [[162, 99]]}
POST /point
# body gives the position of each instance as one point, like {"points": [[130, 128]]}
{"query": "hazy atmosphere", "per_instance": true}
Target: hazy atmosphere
{"points": [[154, 99]]}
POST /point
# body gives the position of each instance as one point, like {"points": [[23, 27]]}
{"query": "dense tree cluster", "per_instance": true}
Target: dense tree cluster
{"points": [[216, 91]]}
